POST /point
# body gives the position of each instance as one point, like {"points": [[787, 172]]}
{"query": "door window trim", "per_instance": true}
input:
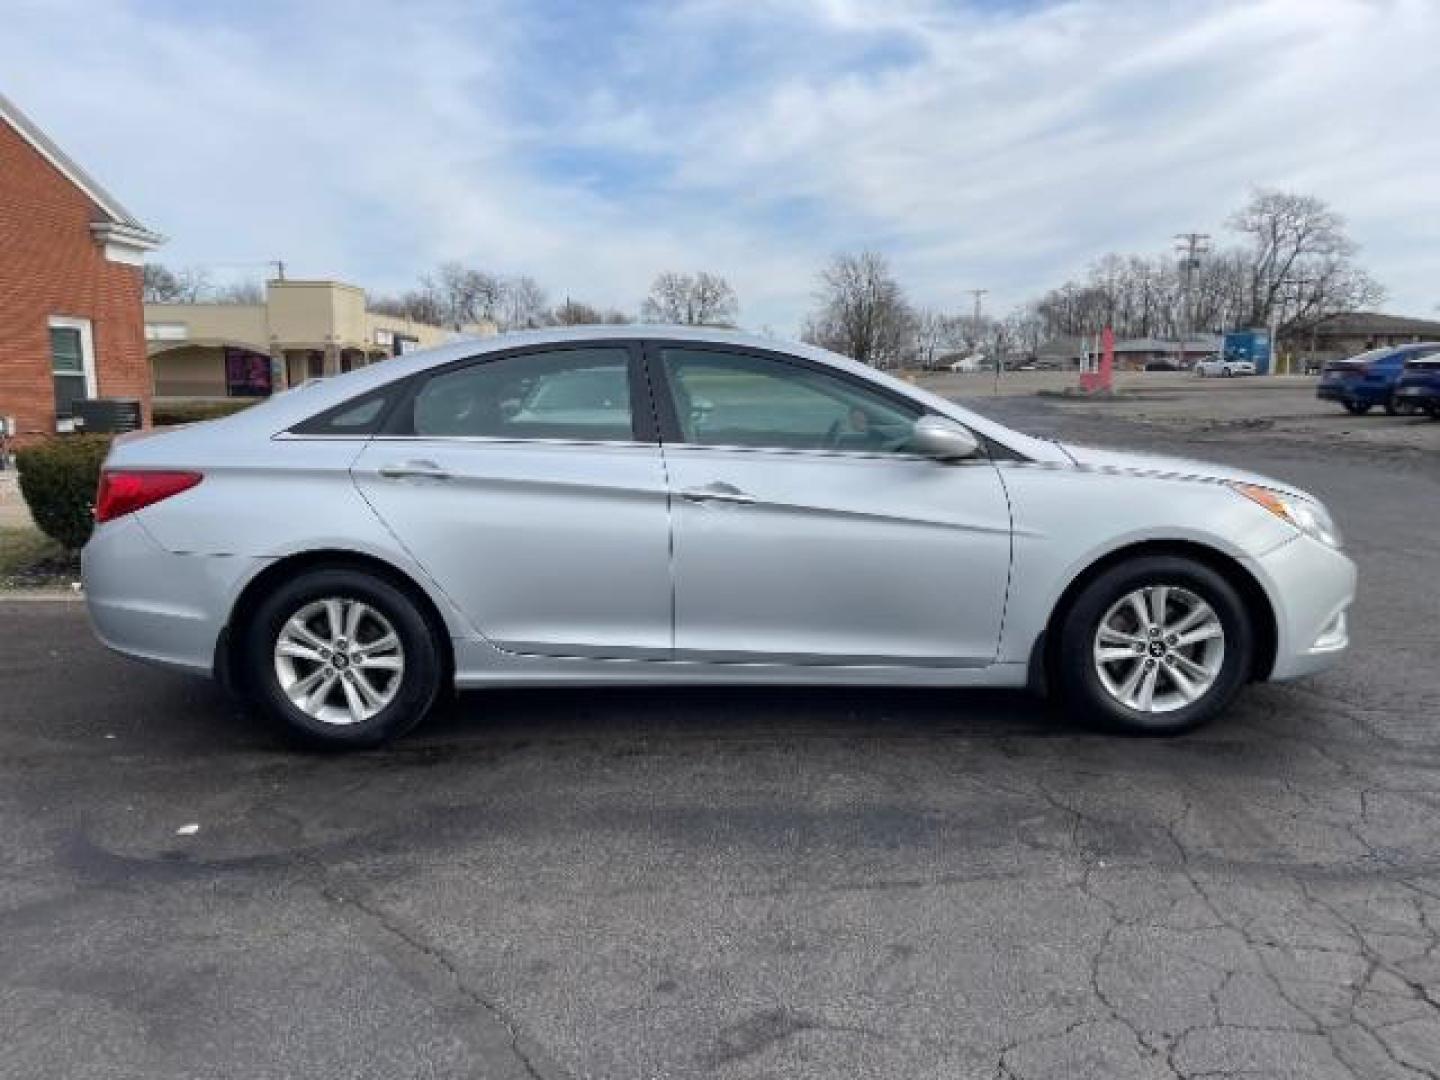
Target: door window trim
{"points": [[671, 434], [643, 425]]}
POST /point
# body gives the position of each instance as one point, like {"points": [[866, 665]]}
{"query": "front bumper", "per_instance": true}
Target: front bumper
{"points": [[1423, 396], [158, 605], [1311, 587]]}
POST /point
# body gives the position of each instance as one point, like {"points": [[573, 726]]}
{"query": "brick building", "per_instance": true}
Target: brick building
{"points": [[71, 320]]}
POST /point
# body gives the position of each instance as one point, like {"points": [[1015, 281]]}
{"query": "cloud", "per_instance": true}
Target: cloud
{"points": [[1001, 145]]}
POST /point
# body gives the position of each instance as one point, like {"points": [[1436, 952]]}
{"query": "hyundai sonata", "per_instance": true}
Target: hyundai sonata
{"points": [[660, 505]]}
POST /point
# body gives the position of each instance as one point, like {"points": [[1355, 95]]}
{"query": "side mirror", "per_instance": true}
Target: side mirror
{"points": [[943, 440]]}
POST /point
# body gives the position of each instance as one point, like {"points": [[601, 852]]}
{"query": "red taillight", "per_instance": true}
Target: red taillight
{"points": [[123, 491]]}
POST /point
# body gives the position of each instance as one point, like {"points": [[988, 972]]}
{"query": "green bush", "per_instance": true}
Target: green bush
{"points": [[58, 478], [170, 413]]}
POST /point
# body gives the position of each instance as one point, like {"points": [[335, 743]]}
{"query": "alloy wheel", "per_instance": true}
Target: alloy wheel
{"points": [[339, 660], [1159, 649]]}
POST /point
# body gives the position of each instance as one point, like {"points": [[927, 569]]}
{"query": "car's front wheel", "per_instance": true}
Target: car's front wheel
{"points": [[1154, 646], [1357, 408], [341, 658]]}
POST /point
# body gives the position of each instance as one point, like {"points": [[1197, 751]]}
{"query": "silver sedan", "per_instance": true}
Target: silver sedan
{"points": [[650, 505]]}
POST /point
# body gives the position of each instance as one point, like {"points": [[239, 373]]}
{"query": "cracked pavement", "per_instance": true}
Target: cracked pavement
{"points": [[744, 883]]}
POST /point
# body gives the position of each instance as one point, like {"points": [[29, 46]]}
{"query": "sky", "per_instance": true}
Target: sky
{"points": [[996, 144]]}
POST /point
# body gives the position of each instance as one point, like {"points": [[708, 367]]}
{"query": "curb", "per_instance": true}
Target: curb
{"points": [[41, 596]]}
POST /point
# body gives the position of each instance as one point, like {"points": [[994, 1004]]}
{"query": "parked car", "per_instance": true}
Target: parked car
{"points": [[1220, 365], [1161, 365], [1365, 381], [1418, 387], [599, 506]]}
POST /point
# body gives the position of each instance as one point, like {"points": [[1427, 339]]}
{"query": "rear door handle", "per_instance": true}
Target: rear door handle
{"points": [[719, 492], [414, 470]]}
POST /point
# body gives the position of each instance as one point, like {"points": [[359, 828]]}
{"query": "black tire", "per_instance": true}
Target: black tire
{"points": [[418, 681], [1391, 409], [1084, 694], [1357, 408]]}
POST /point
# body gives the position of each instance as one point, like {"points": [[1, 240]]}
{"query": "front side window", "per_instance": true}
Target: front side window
{"points": [[746, 400], [579, 394]]}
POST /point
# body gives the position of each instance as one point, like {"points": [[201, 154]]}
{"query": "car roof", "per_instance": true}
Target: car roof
{"points": [[284, 410]]}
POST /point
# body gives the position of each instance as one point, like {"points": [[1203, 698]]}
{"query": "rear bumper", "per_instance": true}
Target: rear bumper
{"points": [[157, 605], [1311, 587]]}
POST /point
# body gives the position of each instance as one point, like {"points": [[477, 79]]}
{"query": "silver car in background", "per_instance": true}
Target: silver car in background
{"points": [[655, 504]]}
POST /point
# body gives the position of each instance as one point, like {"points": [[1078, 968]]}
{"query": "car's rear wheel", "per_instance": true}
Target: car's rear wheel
{"points": [[1391, 407], [1154, 646], [341, 658], [1357, 408]]}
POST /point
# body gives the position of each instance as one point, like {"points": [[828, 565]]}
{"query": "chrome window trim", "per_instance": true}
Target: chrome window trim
{"points": [[784, 451], [290, 436], [506, 440]]}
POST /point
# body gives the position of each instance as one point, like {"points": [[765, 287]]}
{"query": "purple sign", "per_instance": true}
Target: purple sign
{"points": [[247, 374]]}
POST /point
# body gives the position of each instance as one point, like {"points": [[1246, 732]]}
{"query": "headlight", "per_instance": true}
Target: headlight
{"points": [[1306, 515]]}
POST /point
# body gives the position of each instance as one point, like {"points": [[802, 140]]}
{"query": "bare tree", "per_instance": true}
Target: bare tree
{"points": [[576, 313], [161, 285], [1296, 265], [240, 292], [934, 333], [1291, 237], [420, 305], [702, 299], [862, 312], [468, 296], [522, 304]]}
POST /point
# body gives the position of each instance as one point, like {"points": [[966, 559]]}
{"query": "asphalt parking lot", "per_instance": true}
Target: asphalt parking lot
{"points": [[747, 883]]}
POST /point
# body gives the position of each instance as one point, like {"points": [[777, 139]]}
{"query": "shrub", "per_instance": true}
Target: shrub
{"points": [[169, 413], [58, 478]]}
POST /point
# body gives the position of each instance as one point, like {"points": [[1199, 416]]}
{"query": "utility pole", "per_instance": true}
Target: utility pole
{"points": [[1191, 245], [979, 295], [279, 265]]}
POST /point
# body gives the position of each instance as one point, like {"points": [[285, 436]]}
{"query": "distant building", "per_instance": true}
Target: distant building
{"points": [[1131, 354], [71, 324], [303, 330], [1337, 336], [1134, 354]]}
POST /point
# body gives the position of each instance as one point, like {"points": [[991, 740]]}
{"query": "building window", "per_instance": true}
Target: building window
{"points": [[72, 363]]}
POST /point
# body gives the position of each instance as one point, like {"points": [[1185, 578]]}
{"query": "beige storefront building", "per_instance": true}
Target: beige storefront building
{"points": [[303, 330]]}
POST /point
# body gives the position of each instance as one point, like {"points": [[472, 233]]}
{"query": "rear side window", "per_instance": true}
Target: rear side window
{"points": [[570, 394], [359, 416]]}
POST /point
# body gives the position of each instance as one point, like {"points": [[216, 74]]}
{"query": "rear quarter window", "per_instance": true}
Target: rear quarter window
{"points": [[361, 416]]}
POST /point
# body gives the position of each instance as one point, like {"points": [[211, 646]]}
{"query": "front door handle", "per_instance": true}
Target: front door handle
{"points": [[414, 470], [720, 492]]}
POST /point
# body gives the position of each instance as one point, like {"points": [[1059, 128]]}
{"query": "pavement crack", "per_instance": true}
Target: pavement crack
{"points": [[439, 963]]}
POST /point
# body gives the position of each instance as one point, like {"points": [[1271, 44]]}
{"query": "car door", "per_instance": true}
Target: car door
{"points": [[529, 485], [804, 533]]}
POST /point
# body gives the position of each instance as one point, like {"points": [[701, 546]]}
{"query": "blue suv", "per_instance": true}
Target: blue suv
{"points": [[1362, 382], [1418, 388]]}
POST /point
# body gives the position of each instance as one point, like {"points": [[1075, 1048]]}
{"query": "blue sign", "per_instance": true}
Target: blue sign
{"points": [[1252, 345]]}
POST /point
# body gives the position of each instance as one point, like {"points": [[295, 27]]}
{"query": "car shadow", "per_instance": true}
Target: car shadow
{"points": [[736, 712]]}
